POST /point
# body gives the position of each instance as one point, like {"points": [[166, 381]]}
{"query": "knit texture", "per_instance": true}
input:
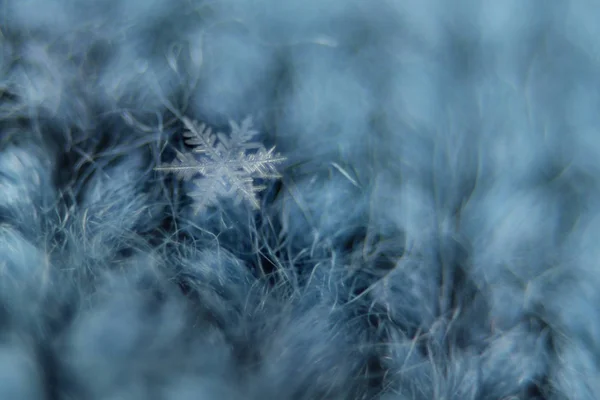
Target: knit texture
{"points": [[427, 231]]}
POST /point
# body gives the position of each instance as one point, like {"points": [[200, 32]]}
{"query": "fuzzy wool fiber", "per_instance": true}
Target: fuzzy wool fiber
{"points": [[431, 235]]}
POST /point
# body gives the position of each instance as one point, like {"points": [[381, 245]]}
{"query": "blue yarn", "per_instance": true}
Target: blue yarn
{"points": [[432, 235]]}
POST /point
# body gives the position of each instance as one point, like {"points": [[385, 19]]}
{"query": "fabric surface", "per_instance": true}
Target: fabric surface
{"points": [[430, 235]]}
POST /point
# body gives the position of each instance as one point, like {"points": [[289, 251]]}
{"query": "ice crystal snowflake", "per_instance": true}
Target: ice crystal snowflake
{"points": [[224, 166]]}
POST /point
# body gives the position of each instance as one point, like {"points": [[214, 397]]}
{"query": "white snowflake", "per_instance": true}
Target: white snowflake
{"points": [[224, 166]]}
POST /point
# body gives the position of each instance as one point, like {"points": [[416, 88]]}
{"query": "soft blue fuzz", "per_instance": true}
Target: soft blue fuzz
{"points": [[425, 229]]}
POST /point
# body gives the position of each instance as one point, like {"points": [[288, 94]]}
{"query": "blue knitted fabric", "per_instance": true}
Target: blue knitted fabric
{"points": [[429, 231]]}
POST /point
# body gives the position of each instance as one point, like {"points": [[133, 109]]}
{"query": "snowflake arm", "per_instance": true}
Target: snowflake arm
{"points": [[185, 166], [241, 134], [203, 139], [207, 193]]}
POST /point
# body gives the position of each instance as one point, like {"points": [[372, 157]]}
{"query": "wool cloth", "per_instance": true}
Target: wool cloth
{"points": [[431, 234]]}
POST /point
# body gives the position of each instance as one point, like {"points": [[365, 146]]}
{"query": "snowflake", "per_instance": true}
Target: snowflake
{"points": [[226, 166]]}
